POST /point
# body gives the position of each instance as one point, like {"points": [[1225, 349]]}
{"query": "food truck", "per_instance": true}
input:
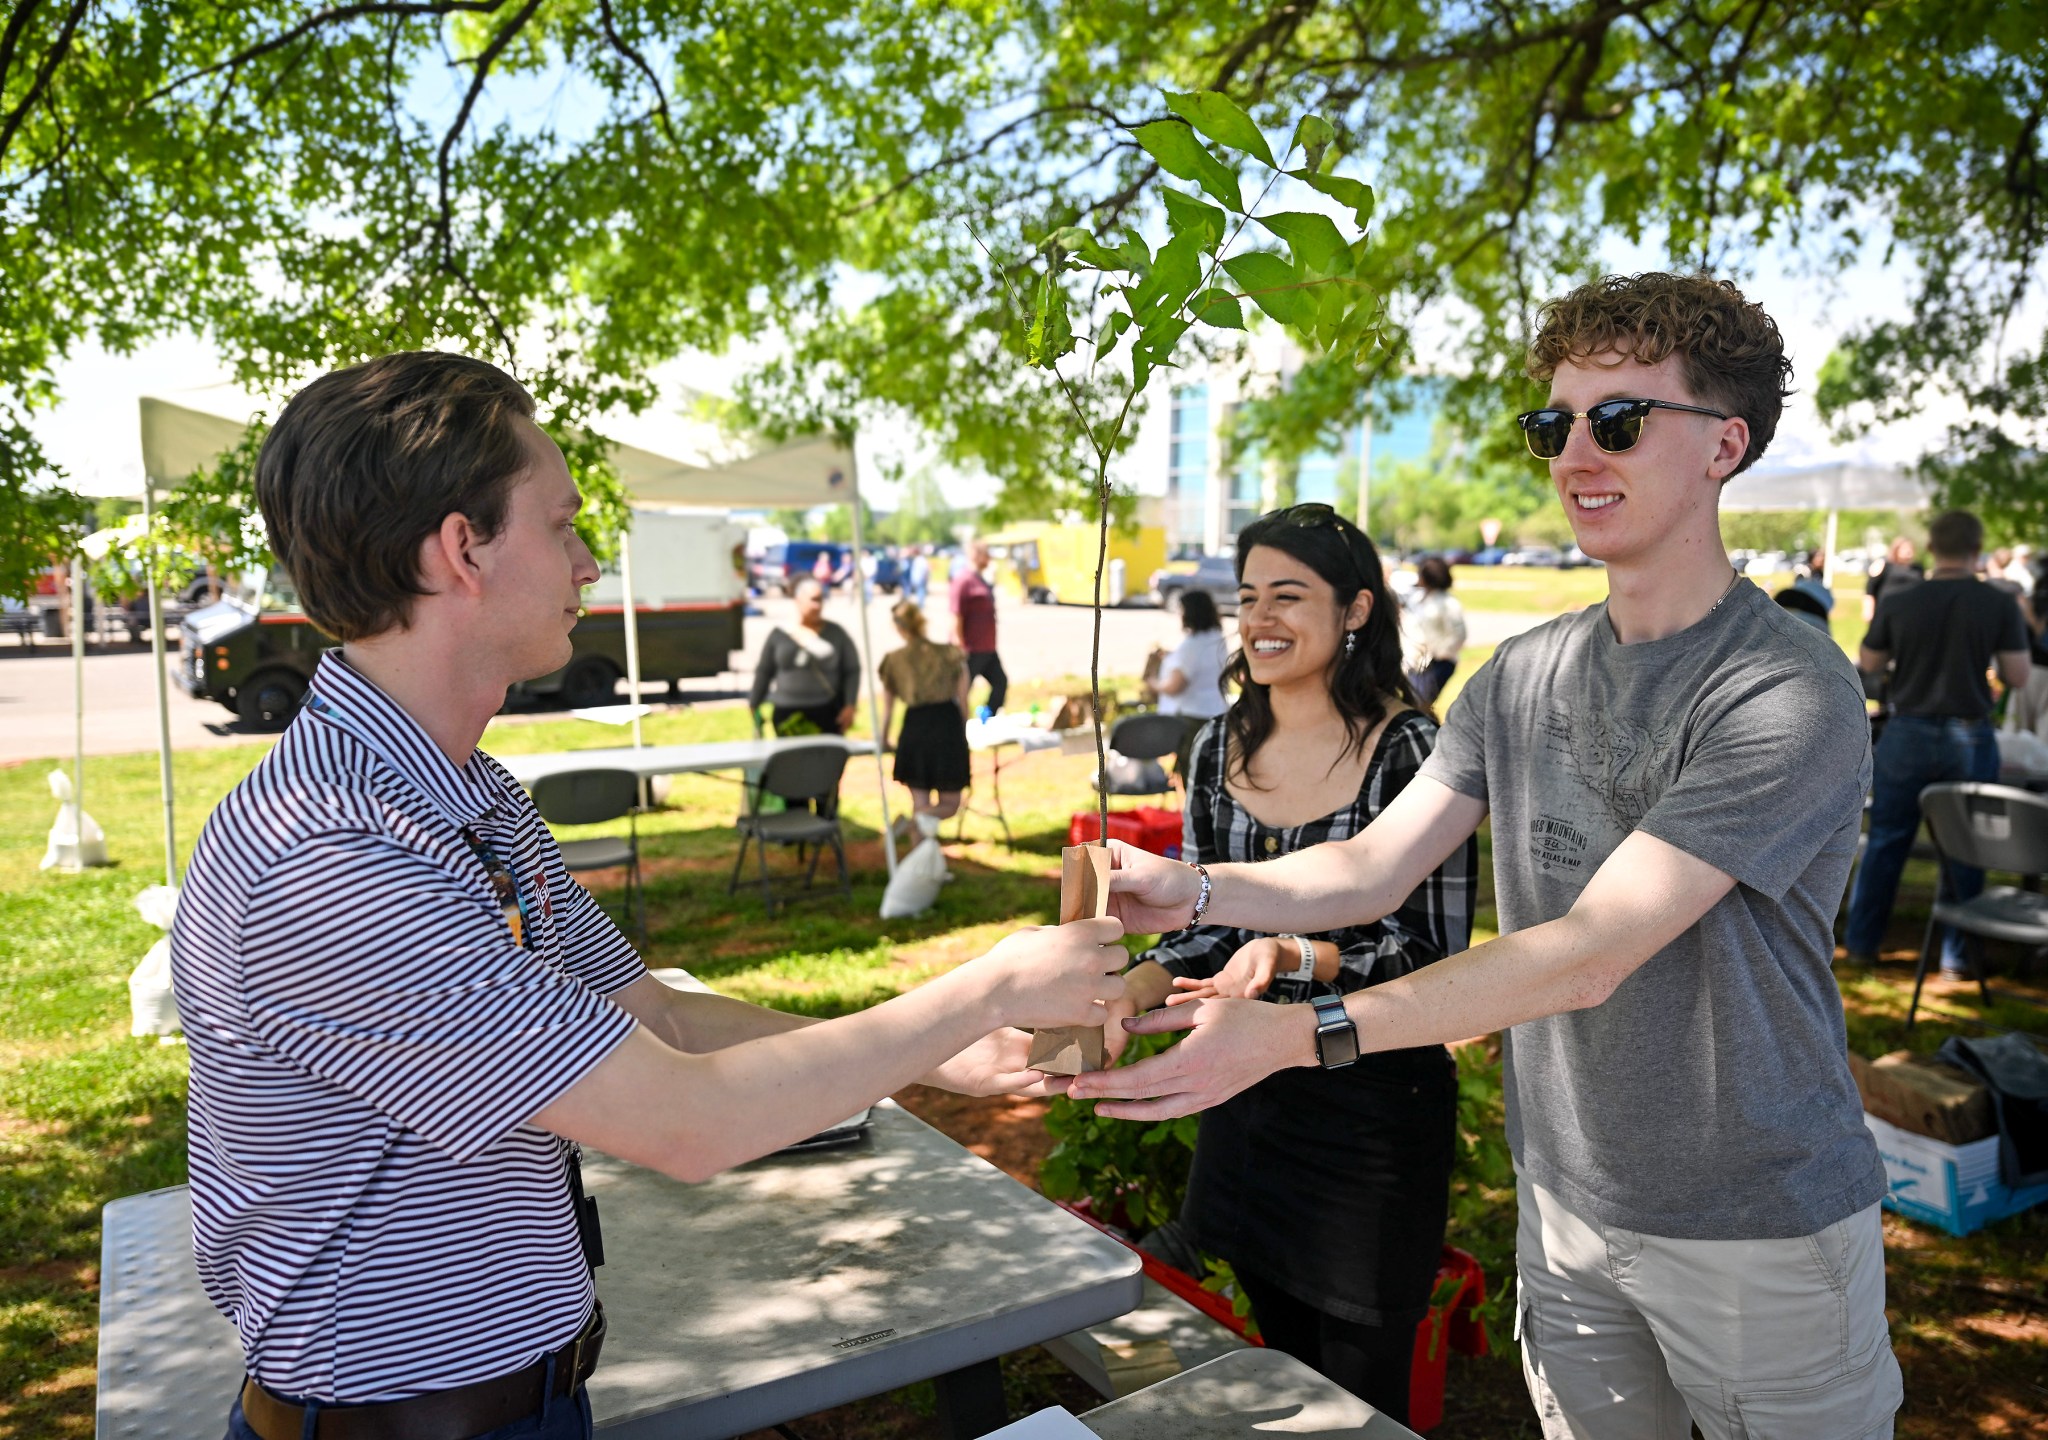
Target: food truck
{"points": [[255, 650]]}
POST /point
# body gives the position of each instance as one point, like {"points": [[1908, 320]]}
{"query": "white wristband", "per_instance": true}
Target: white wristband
{"points": [[1306, 970]]}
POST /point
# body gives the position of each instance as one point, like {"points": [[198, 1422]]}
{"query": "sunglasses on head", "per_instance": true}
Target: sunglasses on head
{"points": [[1615, 425], [1315, 515]]}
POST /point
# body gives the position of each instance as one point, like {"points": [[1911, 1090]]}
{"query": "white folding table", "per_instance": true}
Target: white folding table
{"points": [[773, 1291], [651, 760]]}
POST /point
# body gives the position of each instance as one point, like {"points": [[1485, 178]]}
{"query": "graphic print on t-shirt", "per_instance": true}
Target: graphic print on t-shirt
{"points": [[1621, 769]]}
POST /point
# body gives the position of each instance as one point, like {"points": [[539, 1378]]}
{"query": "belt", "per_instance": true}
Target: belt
{"points": [[457, 1414]]}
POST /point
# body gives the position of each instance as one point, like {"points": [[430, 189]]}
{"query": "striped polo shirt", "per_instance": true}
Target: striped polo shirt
{"points": [[369, 1204]]}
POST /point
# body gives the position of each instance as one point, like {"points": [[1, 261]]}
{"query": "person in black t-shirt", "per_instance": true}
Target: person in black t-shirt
{"points": [[1939, 637]]}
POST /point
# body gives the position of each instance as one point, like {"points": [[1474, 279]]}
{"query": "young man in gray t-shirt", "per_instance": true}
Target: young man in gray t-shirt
{"points": [[1675, 779]]}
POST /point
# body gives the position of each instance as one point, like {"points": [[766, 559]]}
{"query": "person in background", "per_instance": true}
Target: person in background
{"points": [[1190, 682], [1437, 624], [917, 573], [931, 680], [1896, 571], [974, 624], [1326, 1190], [809, 674], [1939, 637]]}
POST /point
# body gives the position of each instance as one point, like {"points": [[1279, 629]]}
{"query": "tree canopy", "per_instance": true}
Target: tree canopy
{"points": [[583, 189]]}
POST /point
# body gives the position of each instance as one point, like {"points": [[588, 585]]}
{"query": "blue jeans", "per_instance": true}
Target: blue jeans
{"points": [[563, 1419], [1912, 754]]}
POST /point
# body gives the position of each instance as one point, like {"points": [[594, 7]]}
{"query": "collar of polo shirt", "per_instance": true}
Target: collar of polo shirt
{"points": [[342, 696]]}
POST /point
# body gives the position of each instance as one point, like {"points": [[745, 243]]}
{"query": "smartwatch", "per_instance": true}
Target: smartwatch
{"points": [[1336, 1034], [1306, 970]]}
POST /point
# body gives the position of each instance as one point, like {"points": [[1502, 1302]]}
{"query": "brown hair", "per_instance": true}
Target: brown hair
{"points": [[1955, 535], [366, 462], [1434, 572], [1730, 353], [909, 619]]}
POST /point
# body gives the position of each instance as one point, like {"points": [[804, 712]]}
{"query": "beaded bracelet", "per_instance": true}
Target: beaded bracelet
{"points": [[1201, 900]]}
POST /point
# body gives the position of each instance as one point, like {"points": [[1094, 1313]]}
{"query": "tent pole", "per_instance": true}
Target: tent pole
{"points": [[163, 697], [632, 629], [78, 698], [1827, 558], [860, 591]]}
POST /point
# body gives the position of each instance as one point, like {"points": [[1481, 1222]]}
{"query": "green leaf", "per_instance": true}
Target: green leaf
{"points": [[1050, 334], [1176, 271], [1313, 238], [1274, 286], [1218, 308], [1314, 135], [1112, 331], [1085, 248], [1180, 154], [1344, 190], [1217, 116], [1184, 212]]}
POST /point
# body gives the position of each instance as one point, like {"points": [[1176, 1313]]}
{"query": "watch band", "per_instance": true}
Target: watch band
{"points": [[1336, 1033], [1306, 970]]}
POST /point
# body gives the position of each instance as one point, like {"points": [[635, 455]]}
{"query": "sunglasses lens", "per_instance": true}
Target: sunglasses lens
{"points": [[1546, 432], [1616, 425]]}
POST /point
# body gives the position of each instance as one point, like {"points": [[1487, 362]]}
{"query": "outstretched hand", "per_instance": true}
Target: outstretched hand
{"points": [[994, 1065], [1231, 1046], [1149, 893], [1245, 976]]}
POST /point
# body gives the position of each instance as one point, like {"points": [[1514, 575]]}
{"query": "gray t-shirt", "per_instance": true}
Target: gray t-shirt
{"points": [[1709, 1098]]}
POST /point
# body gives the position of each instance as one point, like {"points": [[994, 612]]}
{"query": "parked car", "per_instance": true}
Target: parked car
{"points": [[1535, 557], [1216, 574], [779, 567], [1577, 559], [1491, 555]]}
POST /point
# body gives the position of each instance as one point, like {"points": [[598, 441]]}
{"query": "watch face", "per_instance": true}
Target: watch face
{"points": [[1336, 1035]]}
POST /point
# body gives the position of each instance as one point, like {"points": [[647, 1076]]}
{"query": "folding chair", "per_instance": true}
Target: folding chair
{"points": [[797, 776], [1146, 738], [1990, 827], [591, 797]]}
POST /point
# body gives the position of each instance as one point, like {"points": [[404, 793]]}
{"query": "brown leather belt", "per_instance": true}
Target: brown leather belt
{"points": [[456, 1414]]}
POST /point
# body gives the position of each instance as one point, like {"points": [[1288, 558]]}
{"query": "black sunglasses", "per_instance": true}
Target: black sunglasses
{"points": [[1315, 515], [1615, 425]]}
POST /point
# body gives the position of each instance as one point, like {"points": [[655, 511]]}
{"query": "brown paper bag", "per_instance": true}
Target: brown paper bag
{"points": [[1084, 895]]}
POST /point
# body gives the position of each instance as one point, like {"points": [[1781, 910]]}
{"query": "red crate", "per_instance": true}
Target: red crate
{"points": [[1162, 830], [1124, 825]]}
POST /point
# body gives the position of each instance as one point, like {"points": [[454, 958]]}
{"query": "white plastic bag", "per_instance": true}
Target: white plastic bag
{"points": [[915, 886], [70, 849], [2022, 750], [152, 1008]]}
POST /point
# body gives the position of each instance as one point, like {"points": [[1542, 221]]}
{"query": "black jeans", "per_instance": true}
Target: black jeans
{"points": [[1371, 1361], [987, 665]]}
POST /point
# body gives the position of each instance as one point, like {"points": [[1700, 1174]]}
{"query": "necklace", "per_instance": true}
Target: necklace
{"points": [[1734, 579]]}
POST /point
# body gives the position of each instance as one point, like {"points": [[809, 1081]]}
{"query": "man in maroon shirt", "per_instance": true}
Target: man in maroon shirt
{"points": [[974, 624]]}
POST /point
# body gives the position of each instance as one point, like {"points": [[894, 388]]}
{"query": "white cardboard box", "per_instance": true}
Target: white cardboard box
{"points": [[1953, 1186]]}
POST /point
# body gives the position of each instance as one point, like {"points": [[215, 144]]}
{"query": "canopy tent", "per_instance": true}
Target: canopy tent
{"points": [[807, 471], [178, 440], [1841, 485]]}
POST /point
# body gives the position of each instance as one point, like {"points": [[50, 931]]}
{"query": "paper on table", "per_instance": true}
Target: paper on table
{"points": [[1052, 1423], [613, 714]]}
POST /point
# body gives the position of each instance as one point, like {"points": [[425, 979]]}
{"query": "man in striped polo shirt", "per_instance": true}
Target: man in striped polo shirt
{"points": [[402, 1012]]}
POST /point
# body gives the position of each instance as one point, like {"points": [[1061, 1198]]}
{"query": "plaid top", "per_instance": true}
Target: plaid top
{"points": [[1434, 921]]}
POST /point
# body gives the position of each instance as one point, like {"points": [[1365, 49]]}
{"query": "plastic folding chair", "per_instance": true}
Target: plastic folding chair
{"points": [[591, 797], [1146, 738], [1990, 827], [798, 776]]}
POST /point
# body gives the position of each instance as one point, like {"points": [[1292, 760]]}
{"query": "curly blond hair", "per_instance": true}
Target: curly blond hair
{"points": [[1731, 355]]}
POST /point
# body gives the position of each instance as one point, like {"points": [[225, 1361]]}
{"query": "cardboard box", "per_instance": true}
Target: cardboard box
{"points": [[1955, 1187], [1923, 1096]]}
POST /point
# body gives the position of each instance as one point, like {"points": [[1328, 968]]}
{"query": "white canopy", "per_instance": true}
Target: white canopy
{"points": [[1844, 485]]}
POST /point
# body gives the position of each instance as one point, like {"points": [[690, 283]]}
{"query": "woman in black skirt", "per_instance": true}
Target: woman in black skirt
{"points": [[1326, 1190], [931, 752]]}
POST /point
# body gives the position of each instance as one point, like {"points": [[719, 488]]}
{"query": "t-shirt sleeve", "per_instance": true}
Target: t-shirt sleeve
{"points": [[1794, 746], [2012, 628], [417, 1000], [1880, 634], [1459, 760]]}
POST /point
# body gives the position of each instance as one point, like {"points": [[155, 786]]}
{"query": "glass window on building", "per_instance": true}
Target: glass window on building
{"points": [[1187, 472]]}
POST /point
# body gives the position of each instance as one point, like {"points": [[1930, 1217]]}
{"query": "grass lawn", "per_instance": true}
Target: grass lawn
{"points": [[87, 1113]]}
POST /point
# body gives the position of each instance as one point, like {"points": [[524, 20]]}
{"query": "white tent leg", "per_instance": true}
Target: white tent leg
{"points": [[860, 591], [78, 698], [1827, 558], [632, 630], [163, 697]]}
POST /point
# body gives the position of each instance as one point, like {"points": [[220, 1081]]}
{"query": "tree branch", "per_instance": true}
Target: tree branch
{"points": [[58, 49], [16, 24]]}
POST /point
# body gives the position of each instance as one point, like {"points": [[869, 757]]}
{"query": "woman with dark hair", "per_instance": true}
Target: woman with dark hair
{"points": [[809, 674], [1190, 680], [1438, 621], [1326, 1190]]}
